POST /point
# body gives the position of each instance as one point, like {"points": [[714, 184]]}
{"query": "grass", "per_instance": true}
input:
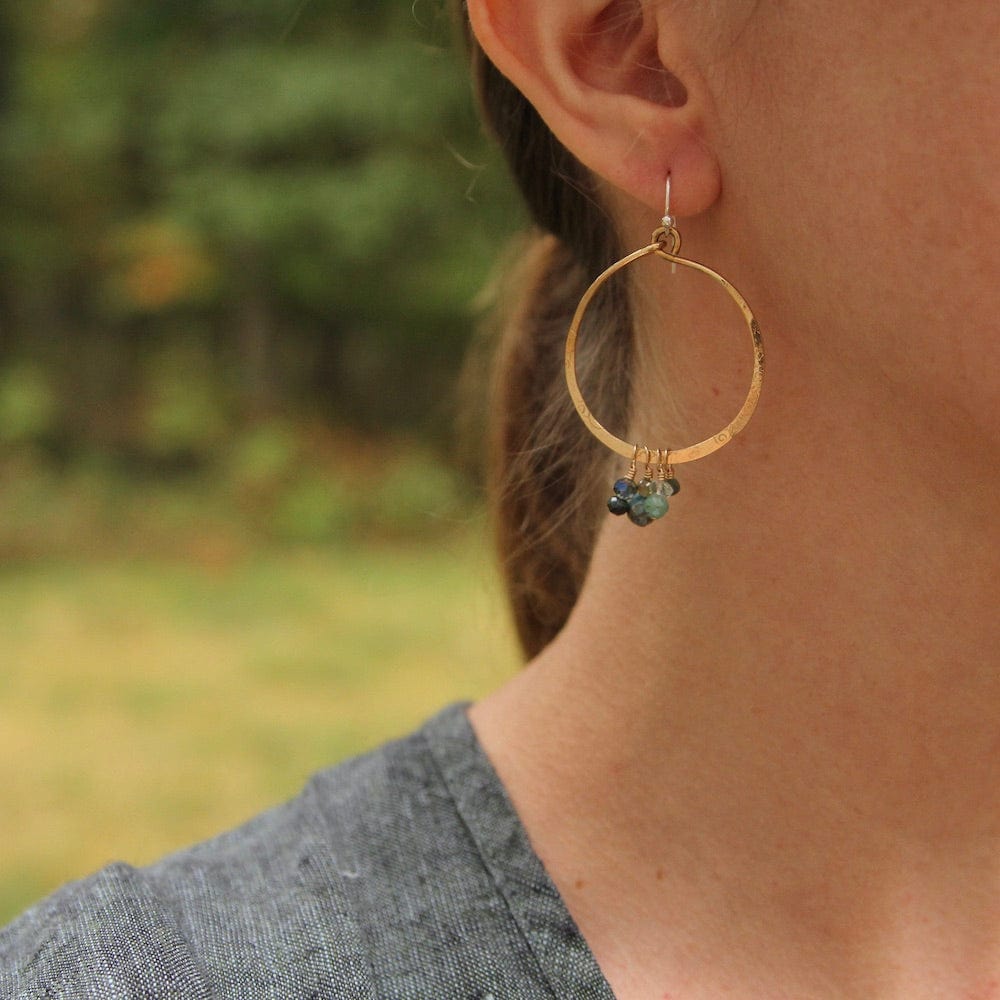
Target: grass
{"points": [[149, 702]]}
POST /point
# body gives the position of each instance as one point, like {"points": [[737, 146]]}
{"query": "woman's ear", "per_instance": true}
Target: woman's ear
{"points": [[611, 79]]}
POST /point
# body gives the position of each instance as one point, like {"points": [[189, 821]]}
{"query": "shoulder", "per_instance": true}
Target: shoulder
{"points": [[267, 909], [258, 911], [99, 937], [403, 873]]}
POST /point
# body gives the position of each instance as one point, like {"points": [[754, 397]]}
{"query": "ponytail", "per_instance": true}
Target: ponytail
{"points": [[545, 471]]}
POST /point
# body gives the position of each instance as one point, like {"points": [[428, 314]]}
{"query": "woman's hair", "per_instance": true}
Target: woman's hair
{"points": [[545, 471]]}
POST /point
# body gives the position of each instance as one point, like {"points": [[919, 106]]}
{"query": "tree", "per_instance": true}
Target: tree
{"points": [[246, 205]]}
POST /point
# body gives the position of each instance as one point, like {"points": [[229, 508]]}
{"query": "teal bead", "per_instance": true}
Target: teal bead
{"points": [[656, 506], [640, 519], [637, 511]]}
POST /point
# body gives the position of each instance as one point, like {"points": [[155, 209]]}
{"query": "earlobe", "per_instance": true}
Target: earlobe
{"points": [[597, 72]]}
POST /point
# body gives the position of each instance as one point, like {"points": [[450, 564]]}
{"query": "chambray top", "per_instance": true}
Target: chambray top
{"points": [[404, 873]]}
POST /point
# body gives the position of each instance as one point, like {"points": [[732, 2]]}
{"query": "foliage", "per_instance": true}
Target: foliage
{"points": [[273, 486], [215, 211]]}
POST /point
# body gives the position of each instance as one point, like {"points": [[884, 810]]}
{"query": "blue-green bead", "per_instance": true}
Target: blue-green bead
{"points": [[637, 514], [623, 488], [637, 511], [656, 506], [674, 487]]}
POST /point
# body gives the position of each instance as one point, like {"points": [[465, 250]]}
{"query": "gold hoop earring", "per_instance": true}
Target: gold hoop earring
{"points": [[646, 501]]}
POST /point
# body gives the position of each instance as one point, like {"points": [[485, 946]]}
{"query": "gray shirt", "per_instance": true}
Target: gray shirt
{"points": [[404, 873]]}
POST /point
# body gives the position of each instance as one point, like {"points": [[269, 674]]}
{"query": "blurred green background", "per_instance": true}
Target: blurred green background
{"points": [[242, 244]]}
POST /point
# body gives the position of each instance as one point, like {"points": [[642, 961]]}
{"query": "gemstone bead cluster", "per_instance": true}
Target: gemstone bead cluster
{"points": [[644, 501]]}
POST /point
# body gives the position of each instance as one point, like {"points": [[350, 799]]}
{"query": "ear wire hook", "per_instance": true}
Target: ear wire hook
{"points": [[669, 222]]}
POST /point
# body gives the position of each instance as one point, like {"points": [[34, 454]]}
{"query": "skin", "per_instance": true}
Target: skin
{"points": [[762, 758]]}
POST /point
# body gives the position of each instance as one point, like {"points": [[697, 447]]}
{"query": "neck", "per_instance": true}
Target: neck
{"points": [[779, 704]]}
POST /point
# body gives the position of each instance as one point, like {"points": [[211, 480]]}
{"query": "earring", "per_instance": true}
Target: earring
{"points": [[646, 500]]}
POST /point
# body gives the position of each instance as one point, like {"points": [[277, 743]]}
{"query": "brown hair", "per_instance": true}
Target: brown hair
{"points": [[546, 473]]}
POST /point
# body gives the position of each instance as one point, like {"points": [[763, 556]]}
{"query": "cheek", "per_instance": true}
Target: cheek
{"points": [[862, 147]]}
